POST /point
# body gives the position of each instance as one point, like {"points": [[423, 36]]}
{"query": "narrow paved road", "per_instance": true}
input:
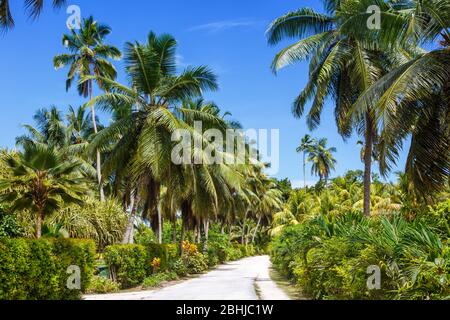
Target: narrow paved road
{"points": [[246, 279]]}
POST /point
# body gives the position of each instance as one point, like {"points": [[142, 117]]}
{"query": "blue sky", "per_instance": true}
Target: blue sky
{"points": [[226, 35]]}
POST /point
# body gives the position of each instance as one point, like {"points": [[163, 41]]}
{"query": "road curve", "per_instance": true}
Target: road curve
{"points": [[246, 279]]}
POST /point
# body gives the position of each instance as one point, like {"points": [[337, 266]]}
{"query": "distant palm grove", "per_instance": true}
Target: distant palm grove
{"points": [[108, 197]]}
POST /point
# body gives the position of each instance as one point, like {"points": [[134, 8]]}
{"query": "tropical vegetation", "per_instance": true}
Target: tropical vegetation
{"points": [[151, 218], [133, 207], [389, 90]]}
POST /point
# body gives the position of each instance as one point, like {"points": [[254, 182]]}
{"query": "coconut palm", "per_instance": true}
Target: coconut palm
{"points": [[79, 125], [33, 8], [342, 67], [71, 139], [41, 181], [49, 130], [270, 200], [89, 56], [281, 220], [143, 133], [413, 98], [204, 189], [305, 145], [322, 159]]}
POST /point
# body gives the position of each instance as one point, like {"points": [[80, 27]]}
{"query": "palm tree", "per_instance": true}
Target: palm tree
{"points": [[89, 57], [41, 182], [71, 139], [143, 147], [269, 201], [413, 98], [204, 190], [322, 159], [50, 129], [79, 125], [342, 67], [34, 8], [305, 145]]}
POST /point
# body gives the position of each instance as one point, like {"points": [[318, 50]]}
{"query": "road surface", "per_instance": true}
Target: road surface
{"points": [[246, 279]]}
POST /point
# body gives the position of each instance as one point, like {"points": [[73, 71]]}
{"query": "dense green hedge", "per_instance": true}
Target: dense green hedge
{"points": [[37, 269], [128, 264]]}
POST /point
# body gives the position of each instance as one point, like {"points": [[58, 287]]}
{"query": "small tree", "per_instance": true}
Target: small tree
{"points": [[41, 182]]}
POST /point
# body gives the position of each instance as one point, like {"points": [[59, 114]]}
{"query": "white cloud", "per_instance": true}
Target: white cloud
{"points": [[300, 183], [219, 26], [180, 62]]}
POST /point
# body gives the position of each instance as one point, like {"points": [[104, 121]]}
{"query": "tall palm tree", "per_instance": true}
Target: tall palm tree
{"points": [[41, 181], [322, 159], [33, 8], [413, 99], [143, 133], [342, 67], [305, 145], [201, 191], [89, 57]]}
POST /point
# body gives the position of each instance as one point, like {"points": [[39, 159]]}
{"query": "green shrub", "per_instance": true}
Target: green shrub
{"points": [[218, 243], [166, 252], [100, 284], [250, 250], [104, 222], [128, 264], [212, 258], [195, 263], [179, 267], [441, 216], [238, 251], [234, 252], [328, 257], [144, 235], [37, 269], [9, 227], [157, 279]]}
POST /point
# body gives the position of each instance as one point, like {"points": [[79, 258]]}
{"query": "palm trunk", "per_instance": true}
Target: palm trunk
{"points": [[160, 226], [368, 163], [304, 169], [184, 217], [182, 235], [130, 225], [206, 235], [256, 229], [98, 166], [39, 219]]}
